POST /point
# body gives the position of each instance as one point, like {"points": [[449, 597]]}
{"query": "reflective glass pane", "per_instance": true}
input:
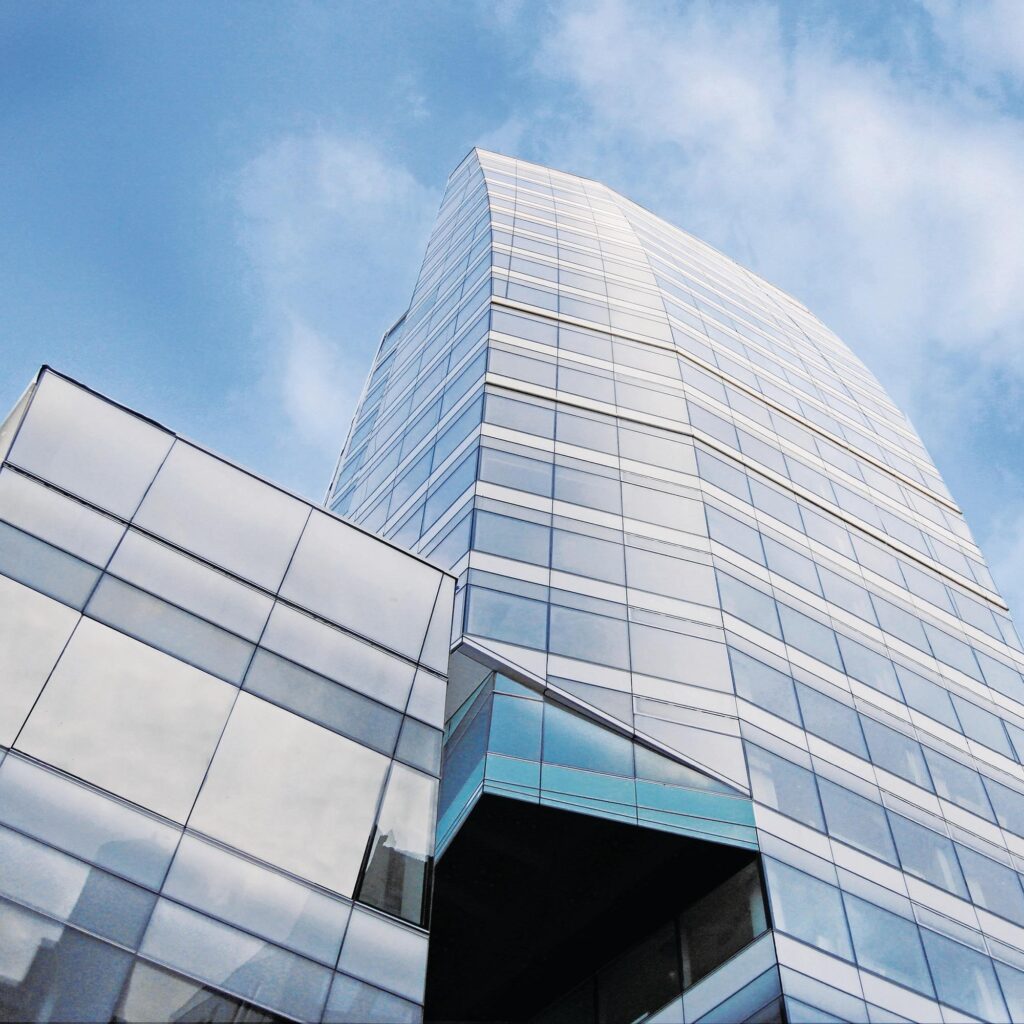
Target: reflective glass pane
{"points": [[887, 944], [764, 686], [807, 908], [832, 721], [928, 855], [275, 778], [401, 851], [964, 978], [784, 786], [386, 954], [367, 586], [257, 899], [89, 446], [129, 719], [992, 885], [354, 1002], [52, 973], [856, 820], [33, 631], [234, 520]]}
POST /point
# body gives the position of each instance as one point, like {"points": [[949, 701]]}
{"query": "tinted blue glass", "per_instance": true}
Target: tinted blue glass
{"points": [[764, 686], [810, 636], [748, 604], [834, 722], [785, 786], [856, 820], [807, 908], [508, 617], [572, 740], [887, 944], [964, 978], [927, 855], [516, 727], [896, 753]]}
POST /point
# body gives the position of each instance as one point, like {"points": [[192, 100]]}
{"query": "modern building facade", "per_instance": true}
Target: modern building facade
{"points": [[220, 714], [735, 719], [651, 674]]}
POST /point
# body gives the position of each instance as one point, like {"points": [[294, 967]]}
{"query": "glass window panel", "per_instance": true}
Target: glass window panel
{"points": [[785, 786], [589, 637], [849, 596], [515, 471], [45, 568], [507, 617], [531, 419], [855, 820], [1008, 804], [735, 535], [339, 656], [772, 502], [992, 885], [641, 980], [897, 753], [587, 556], [658, 768], [57, 519], [928, 855], [570, 739], [900, 623], [234, 519], [810, 636], [1012, 983], [869, 667], [831, 720], [354, 1002], [369, 587], [386, 954], [927, 697], [44, 968], [983, 726], [588, 489], [95, 827], [723, 474], [40, 877], [807, 908], [957, 783], [887, 944], [33, 631], [275, 777], [401, 850], [749, 604], [964, 978], [236, 961], [953, 652], [190, 584], [516, 727], [663, 509], [657, 449], [257, 899], [153, 994], [764, 686], [420, 746], [511, 538], [594, 432], [89, 446], [673, 577], [129, 719], [686, 659], [791, 564], [323, 701], [170, 629], [722, 923]]}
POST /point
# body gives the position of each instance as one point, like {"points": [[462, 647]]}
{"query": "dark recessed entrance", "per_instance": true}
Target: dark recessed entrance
{"points": [[534, 904]]}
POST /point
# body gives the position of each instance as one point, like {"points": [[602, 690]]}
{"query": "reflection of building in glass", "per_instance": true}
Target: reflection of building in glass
{"points": [[732, 727], [715, 603], [215, 696]]}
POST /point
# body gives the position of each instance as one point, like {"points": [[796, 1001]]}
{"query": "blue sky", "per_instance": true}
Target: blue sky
{"points": [[211, 211]]}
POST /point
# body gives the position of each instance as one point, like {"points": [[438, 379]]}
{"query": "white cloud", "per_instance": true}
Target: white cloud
{"points": [[333, 230], [985, 37], [886, 192]]}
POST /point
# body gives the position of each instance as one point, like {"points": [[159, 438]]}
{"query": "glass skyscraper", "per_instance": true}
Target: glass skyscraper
{"points": [[641, 669], [735, 718]]}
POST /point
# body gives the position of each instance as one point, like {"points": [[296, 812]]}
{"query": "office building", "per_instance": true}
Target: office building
{"points": [[735, 722], [220, 714]]}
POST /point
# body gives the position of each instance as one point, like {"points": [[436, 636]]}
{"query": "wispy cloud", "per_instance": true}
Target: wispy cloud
{"points": [[883, 188], [333, 230]]}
